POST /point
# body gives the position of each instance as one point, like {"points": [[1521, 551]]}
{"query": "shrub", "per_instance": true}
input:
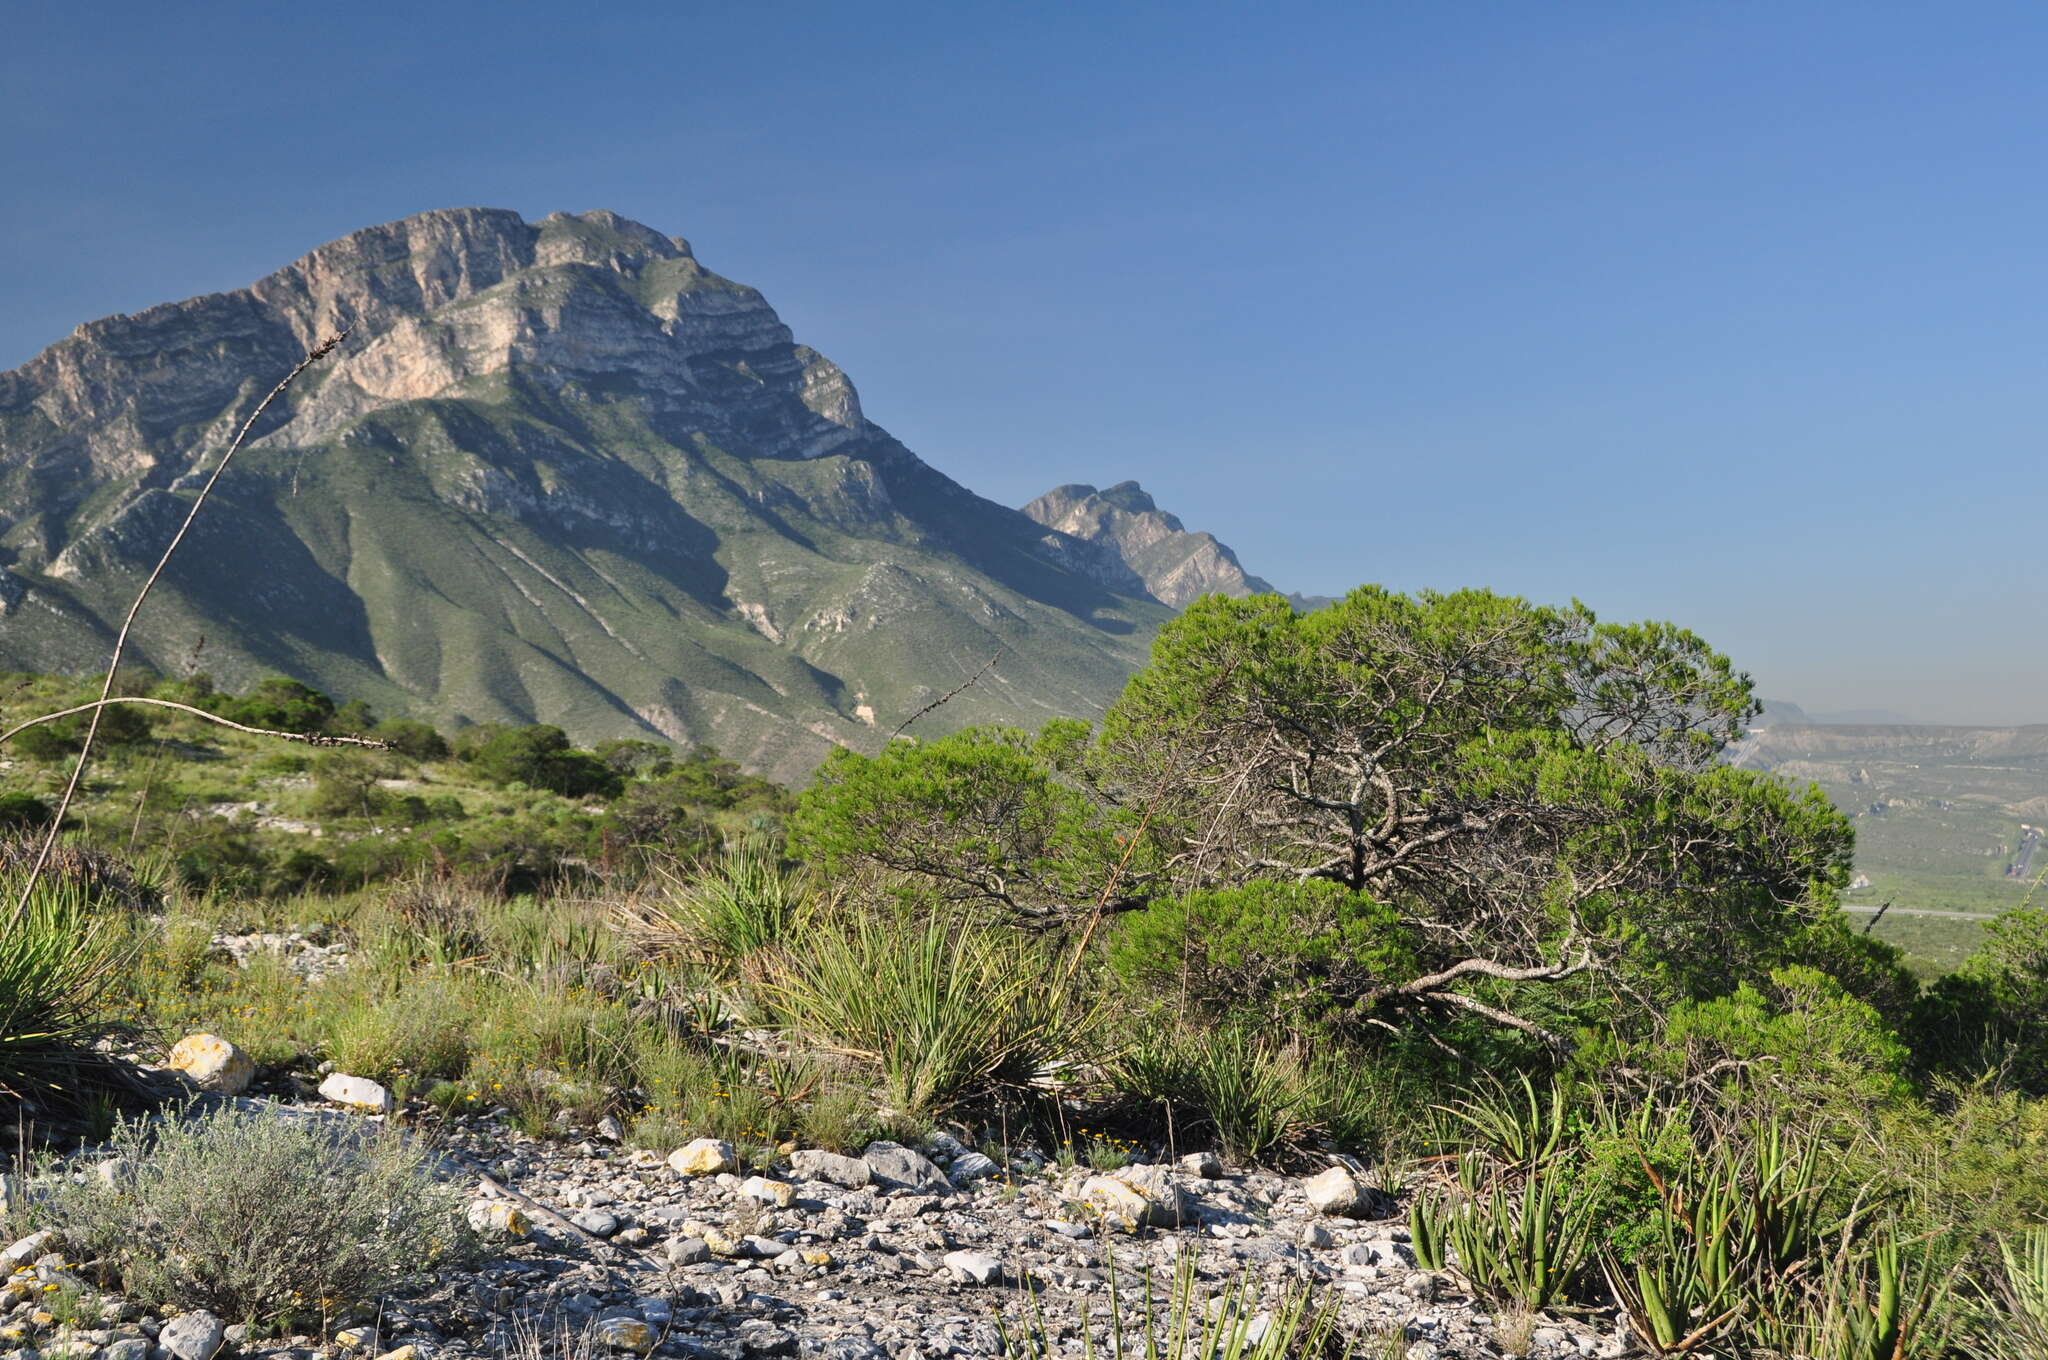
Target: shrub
{"points": [[1281, 950], [941, 1013], [263, 1217], [413, 739], [282, 705]]}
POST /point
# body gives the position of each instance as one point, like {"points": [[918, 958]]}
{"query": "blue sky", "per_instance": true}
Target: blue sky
{"points": [[1731, 314]]}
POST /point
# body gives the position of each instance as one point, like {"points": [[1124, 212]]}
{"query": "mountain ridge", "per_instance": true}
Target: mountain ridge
{"points": [[559, 472]]}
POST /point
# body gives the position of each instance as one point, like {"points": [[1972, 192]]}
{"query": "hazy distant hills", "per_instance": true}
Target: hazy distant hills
{"points": [[1778, 711], [1947, 818], [561, 472]]}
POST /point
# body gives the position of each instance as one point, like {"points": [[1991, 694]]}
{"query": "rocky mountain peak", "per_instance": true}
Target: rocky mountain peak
{"points": [[1136, 538], [561, 472]]}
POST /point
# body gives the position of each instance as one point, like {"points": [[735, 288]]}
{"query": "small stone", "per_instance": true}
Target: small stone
{"points": [[611, 1130], [492, 1219], [1203, 1166], [777, 1193], [688, 1251], [213, 1064], [969, 1167], [357, 1339], [720, 1244], [814, 1164], [973, 1267], [758, 1337], [896, 1164], [626, 1334], [402, 1353], [357, 1093], [193, 1336], [597, 1222], [704, 1157], [1340, 1194], [128, 1348], [1318, 1238], [1138, 1197]]}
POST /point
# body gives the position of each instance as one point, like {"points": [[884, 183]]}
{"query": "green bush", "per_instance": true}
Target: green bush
{"points": [[1285, 952], [283, 706], [263, 1217]]}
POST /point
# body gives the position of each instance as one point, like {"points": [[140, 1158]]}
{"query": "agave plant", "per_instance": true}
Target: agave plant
{"points": [[1524, 1246], [2011, 1317]]}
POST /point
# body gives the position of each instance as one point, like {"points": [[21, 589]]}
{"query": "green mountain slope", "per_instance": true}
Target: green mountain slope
{"points": [[559, 472]]}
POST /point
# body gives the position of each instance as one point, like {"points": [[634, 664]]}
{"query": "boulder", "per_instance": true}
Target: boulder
{"points": [[28, 1249], [502, 1221], [625, 1334], [213, 1064], [1138, 1197], [969, 1167], [776, 1193]]}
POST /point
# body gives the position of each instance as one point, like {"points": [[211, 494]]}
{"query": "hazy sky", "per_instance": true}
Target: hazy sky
{"points": [[1733, 314]]}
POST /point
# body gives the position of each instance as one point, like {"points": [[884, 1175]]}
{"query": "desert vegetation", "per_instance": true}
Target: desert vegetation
{"points": [[1454, 885]]}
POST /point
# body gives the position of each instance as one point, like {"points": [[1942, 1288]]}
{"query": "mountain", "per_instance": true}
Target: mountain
{"points": [[560, 472], [1142, 544]]}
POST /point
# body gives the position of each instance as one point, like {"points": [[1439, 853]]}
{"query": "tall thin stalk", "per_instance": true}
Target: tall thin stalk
{"points": [[92, 729]]}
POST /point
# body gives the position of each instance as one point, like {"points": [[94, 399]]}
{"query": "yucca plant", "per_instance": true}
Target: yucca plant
{"points": [[941, 1013], [1522, 1129], [58, 962], [746, 902], [1681, 1296], [1876, 1299]]}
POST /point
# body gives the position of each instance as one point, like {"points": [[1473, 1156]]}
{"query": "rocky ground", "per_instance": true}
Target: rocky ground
{"points": [[909, 1254]]}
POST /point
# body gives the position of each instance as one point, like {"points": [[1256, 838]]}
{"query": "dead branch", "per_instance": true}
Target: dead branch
{"points": [[309, 738], [950, 694]]}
